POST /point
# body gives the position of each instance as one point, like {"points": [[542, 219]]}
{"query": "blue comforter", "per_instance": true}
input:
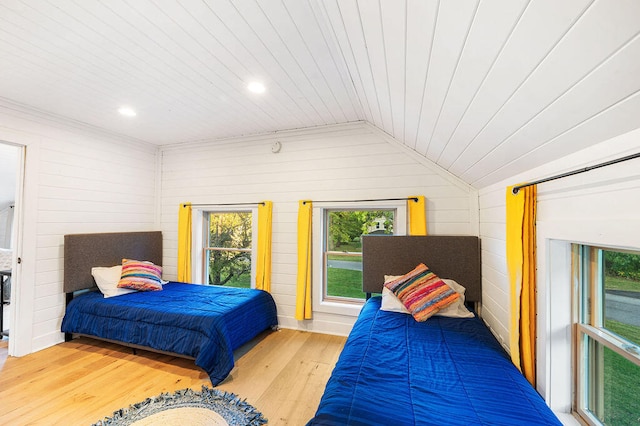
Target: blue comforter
{"points": [[445, 371], [204, 322]]}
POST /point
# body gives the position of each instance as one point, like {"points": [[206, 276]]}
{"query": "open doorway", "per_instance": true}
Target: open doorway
{"points": [[10, 160]]}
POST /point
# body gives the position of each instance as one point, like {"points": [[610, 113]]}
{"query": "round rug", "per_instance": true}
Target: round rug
{"points": [[177, 416], [208, 407]]}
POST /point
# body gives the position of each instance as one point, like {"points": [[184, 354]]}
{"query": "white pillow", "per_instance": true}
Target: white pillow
{"points": [[456, 310], [391, 303], [107, 279]]}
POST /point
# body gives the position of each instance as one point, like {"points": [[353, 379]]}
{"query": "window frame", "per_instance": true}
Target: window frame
{"points": [[589, 328], [202, 267], [335, 305]]}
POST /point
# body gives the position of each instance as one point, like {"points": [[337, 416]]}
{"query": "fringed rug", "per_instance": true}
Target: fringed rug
{"points": [[187, 407]]}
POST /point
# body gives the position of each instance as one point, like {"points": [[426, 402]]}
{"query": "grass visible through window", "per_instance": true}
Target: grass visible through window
{"points": [[621, 386], [243, 281], [621, 377], [345, 283]]}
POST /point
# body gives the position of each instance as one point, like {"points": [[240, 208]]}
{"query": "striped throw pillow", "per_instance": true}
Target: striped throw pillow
{"points": [[140, 275], [422, 292]]}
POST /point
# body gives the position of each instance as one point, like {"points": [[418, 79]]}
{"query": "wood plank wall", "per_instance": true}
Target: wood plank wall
{"points": [[597, 208], [346, 162], [77, 179]]}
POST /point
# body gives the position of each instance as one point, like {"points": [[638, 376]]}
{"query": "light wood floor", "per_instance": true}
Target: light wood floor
{"points": [[281, 373]]}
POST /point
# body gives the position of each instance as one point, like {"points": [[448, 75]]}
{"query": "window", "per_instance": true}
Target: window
{"points": [[608, 335], [338, 282], [343, 249], [228, 249]]}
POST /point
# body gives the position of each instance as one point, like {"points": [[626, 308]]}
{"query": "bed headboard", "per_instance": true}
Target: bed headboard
{"points": [[84, 251], [453, 257]]}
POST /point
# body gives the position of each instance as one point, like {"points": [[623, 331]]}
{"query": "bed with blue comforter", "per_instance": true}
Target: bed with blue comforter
{"points": [[206, 323], [203, 322], [445, 371], [394, 370]]}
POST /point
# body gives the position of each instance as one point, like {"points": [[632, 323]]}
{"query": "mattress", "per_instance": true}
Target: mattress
{"points": [[206, 323], [445, 371]]}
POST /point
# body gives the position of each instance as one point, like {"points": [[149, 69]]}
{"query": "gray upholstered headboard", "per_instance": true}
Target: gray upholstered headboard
{"points": [[84, 251], [453, 257]]}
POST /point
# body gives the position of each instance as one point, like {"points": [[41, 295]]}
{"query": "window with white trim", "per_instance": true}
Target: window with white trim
{"points": [[228, 249], [338, 280], [607, 342]]}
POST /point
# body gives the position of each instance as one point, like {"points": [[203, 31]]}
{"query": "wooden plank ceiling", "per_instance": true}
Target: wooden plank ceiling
{"points": [[483, 88]]}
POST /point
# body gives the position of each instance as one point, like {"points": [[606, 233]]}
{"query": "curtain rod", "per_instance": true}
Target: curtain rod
{"points": [[575, 172], [362, 201], [225, 204]]}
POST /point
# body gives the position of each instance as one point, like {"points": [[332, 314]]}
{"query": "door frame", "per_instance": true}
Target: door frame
{"points": [[23, 288]]}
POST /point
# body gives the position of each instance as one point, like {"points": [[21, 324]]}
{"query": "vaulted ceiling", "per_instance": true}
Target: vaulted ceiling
{"points": [[483, 88]]}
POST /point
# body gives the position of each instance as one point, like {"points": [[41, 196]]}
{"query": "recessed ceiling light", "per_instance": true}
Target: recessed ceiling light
{"points": [[256, 87], [127, 111]]}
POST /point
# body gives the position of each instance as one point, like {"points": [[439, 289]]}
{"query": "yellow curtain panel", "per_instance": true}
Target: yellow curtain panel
{"points": [[417, 215], [184, 243], [303, 283], [263, 266], [521, 263]]}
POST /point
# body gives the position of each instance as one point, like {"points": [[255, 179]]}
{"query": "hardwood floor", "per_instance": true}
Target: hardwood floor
{"points": [[281, 373]]}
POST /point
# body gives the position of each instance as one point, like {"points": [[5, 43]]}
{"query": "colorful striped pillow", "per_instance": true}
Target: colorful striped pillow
{"points": [[140, 275], [422, 292]]}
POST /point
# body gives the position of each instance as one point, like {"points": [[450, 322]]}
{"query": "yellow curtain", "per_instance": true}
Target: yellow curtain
{"points": [[417, 215], [521, 263], [263, 266], [303, 283], [184, 243]]}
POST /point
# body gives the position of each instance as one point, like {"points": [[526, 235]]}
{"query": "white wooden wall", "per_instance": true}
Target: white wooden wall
{"points": [[345, 162], [598, 207], [77, 180]]}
